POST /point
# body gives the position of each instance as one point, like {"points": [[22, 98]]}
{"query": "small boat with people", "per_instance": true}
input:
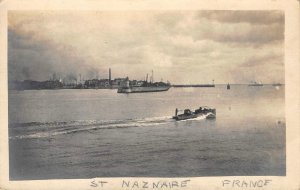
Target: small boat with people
{"points": [[187, 114], [209, 113]]}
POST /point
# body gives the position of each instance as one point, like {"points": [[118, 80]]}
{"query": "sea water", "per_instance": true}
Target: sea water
{"points": [[60, 134]]}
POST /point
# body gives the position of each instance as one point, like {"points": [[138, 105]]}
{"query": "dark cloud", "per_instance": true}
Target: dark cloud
{"points": [[29, 58], [134, 43], [239, 28], [248, 16], [253, 36], [263, 60]]}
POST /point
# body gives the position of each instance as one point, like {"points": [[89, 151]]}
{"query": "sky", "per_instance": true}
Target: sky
{"points": [[183, 47]]}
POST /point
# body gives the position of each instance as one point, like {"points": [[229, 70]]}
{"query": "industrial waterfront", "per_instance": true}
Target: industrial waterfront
{"points": [[58, 82]]}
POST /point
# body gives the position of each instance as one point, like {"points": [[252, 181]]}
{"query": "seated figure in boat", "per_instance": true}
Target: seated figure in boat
{"points": [[187, 112]]}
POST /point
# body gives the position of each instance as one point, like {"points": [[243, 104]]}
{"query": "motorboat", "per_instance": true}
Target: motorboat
{"points": [[209, 113], [187, 114]]}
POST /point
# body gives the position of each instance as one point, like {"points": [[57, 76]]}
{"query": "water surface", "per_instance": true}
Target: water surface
{"points": [[59, 134]]}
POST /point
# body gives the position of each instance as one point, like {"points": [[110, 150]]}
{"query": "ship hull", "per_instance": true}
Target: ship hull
{"points": [[141, 89], [185, 117]]}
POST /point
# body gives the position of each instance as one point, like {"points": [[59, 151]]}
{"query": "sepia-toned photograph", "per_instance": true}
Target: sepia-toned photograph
{"points": [[162, 93]]}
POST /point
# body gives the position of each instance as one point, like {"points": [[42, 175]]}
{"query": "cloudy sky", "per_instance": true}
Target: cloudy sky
{"points": [[179, 46]]}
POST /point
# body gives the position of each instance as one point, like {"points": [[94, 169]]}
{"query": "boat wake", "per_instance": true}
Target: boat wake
{"points": [[50, 129], [195, 119]]}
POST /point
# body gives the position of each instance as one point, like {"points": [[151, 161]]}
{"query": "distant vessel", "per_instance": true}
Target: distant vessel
{"points": [[188, 114], [277, 84], [256, 84], [144, 86], [228, 86]]}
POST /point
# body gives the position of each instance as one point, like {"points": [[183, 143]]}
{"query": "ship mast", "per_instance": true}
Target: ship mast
{"points": [[152, 78]]}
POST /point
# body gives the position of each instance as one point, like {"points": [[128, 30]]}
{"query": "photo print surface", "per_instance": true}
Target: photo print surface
{"points": [[146, 94]]}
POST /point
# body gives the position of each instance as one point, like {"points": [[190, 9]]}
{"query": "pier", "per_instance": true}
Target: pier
{"points": [[192, 85]]}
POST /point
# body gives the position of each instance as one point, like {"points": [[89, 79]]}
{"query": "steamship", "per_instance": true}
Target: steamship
{"points": [[143, 86]]}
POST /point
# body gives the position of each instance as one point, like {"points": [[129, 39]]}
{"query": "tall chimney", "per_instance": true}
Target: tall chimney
{"points": [[109, 75]]}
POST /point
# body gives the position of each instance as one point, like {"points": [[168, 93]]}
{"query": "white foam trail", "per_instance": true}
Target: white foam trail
{"points": [[61, 128], [202, 117]]}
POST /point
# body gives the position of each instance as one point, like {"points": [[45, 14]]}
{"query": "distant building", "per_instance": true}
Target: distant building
{"points": [[117, 82], [93, 83], [35, 85], [96, 83], [104, 83]]}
